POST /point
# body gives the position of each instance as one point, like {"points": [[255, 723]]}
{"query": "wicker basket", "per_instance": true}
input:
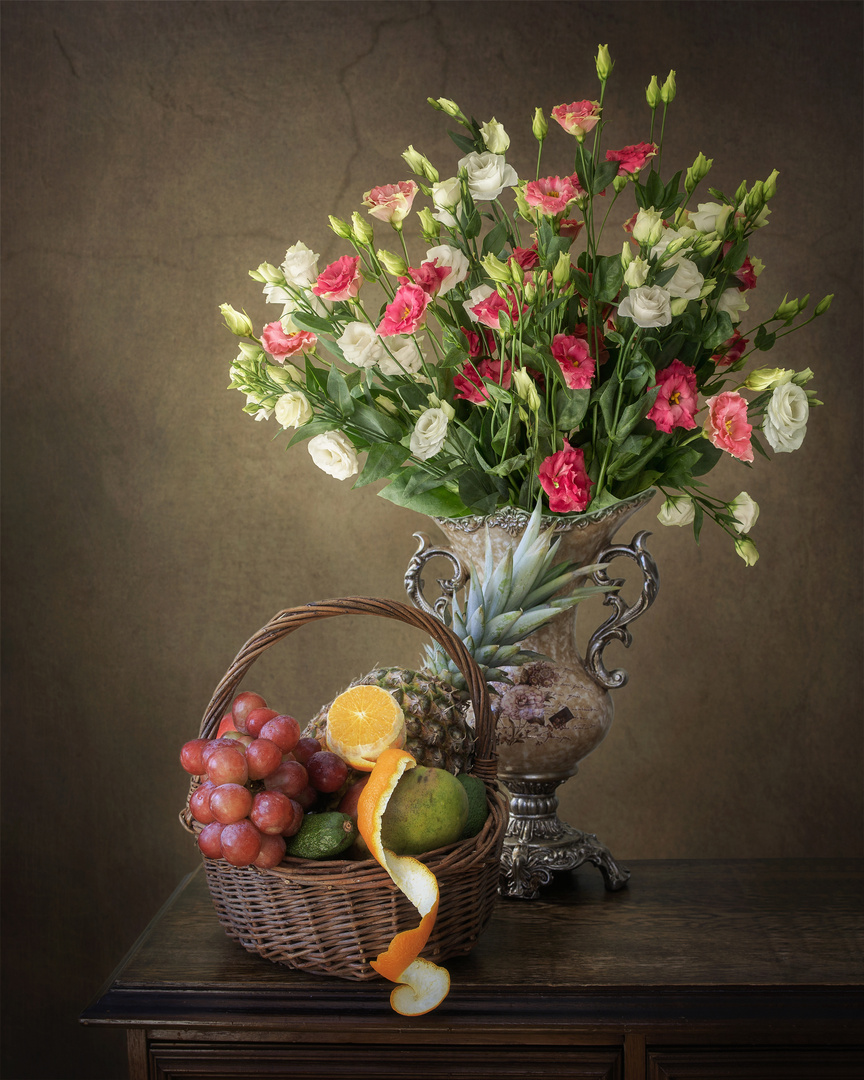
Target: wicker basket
{"points": [[333, 916]]}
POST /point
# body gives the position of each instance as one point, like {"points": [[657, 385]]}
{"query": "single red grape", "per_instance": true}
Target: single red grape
{"points": [[272, 812], [210, 840], [192, 756], [230, 803], [290, 778], [294, 826], [256, 719], [241, 843], [327, 771], [226, 765], [284, 731], [271, 854], [199, 803], [307, 797], [262, 758], [305, 748]]}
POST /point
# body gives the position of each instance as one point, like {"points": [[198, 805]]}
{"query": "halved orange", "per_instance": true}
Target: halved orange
{"points": [[422, 984], [363, 722]]}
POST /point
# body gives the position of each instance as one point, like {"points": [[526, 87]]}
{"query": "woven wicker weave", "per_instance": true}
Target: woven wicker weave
{"points": [[333, 916]]}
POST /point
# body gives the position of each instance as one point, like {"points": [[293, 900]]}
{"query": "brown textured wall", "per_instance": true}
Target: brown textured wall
{"points": [[152, 153]]}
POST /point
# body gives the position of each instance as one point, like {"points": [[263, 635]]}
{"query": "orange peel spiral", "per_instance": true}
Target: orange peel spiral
{"points": [[422, 985]]}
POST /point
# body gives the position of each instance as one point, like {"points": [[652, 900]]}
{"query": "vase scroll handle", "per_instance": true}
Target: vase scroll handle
{"points": [[449, 587], [615, 627]]}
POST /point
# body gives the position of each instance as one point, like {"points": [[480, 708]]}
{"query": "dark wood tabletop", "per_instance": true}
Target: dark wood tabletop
{"points": [[687, 943]]}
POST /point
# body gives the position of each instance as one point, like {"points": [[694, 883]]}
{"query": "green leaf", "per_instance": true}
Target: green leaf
{"points": [[378, 424], [339, 393], [504, 468], [698, 518], [654, 190], [312, 427], [465, 144], [606, 398], [495, 239], [604, 174], [480, 492], [570, 407], [716, 330], [382, 459], [414, 396], [709, 455], [608, 277], [633, 414], [763, 339], [438, 502], [305, 320], [735, 259]]}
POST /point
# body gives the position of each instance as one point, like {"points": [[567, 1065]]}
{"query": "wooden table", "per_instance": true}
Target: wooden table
{"points": [[697, 970]]}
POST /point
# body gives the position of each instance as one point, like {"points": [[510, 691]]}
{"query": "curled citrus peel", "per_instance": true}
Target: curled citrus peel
{"points": [[422, 984]]}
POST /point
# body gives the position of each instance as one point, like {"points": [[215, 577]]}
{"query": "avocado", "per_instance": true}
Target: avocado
{"points": [[322, 836]]}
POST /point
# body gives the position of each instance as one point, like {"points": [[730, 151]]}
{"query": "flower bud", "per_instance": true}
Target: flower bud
{"points": [[529, 290], [667, 90], [539, 125], [697, 172], [362, 230], [447, 106], [561, 272], [677, 510], [239, 324], [802, 377], [495, 137], [340, 227], [652, 92], [636, 273], [745, 547], [429, 227], [526, 388], [393, 264], [787, 310], [497, 270], [824, 304], [626, 254], [619, 182], [279, 374], [767, 378], [271, 274], [648, 226], [745, 511], [679, 305], [769, 189], [420, 165], [755, 198], [604, 63]]}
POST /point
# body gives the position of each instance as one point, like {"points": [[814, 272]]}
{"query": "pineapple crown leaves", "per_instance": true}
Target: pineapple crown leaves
{"points": [[514, 599]]}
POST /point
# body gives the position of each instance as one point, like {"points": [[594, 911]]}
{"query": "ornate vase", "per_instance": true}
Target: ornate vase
{"points": [[554, 715]]}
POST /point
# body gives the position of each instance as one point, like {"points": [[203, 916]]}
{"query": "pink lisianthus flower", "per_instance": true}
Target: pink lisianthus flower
{"points": [[577, 118], [726, 424], [429, 276], [564, 479], [746, 275], [341, 280], [391, 202], [731, 350], [550, 195], [632, 158], [527, 258], [487, 310], [469, 383], [570, 227], [405, 312], [576, 363], [280, 345], [677, 401], [479, 344]]}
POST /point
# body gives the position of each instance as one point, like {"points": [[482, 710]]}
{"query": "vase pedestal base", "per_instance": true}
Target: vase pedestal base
{"points": [[537, 843]]}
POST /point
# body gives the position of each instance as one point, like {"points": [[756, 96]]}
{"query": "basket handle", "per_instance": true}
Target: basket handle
{"points": [[291, 619]]}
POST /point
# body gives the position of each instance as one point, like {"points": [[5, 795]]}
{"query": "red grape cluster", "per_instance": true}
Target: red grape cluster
{"points": [[258, 780]]}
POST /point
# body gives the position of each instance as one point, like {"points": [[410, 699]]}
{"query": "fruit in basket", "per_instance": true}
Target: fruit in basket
{"points": [[226, 765], [262, 758], [243, 704], [323, 836], [272, 852], [327, 771], [256, 719], [275, 814], [516, 597], [282, 730], [361, 723], [427, 809], [241, 843], [290, 777], [230, 803], [478, 807]]}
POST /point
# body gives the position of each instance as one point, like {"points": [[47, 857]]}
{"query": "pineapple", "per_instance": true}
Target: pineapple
{"points": [[512, 601]]}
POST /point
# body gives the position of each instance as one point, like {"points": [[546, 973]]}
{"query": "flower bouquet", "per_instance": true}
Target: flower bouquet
{"points": [[511, 360]]}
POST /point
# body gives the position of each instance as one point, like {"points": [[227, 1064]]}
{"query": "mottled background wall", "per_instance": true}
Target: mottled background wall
{"points": [[152, 154]]}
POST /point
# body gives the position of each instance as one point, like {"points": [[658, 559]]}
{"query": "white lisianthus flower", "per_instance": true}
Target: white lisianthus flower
{"points": [[677, 510], [444, 255], [476, 296], [710, 217], [649, 305], [300, 265], [429, 434], [785, 420], [446, 197], [734, 303], [263, 412], [686, 282], [487, 174], [293, 409], [361, 345], [494, 136], [637, 272], [405, 356], [333, 453], [745, 511], [648, 226]]}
